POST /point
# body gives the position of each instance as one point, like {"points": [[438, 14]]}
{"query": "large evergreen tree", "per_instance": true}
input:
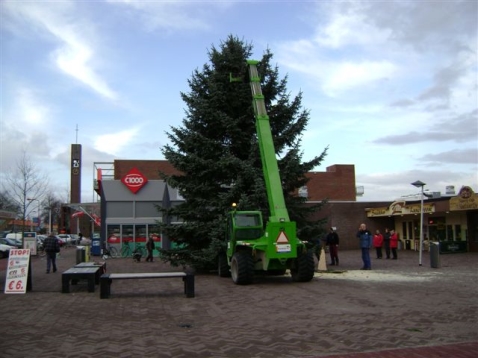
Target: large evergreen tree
{"points": [[216, 150]]}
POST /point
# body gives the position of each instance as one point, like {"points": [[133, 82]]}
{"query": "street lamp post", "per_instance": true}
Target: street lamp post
{"points": [[420, 184]]}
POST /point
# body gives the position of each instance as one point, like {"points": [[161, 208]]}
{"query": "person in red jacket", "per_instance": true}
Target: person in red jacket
{"points": [[377, 243], [393, 243]]}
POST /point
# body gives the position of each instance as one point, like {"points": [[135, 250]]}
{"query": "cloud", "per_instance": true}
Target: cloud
{"points": [[463, 156], [113, 143], [28, 108], [75, 55], [397, 184], [348, 25], [349, 75], [455, 128], [170, 15]]}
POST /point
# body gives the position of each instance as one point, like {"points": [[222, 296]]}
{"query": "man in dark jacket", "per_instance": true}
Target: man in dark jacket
{"points": [[333, 244], [365, 238], [52, 247]]}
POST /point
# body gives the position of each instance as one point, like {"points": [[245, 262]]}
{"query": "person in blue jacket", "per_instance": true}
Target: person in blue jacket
{"points": [[365, 238]]}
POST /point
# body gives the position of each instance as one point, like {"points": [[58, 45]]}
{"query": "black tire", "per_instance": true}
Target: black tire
{"points": [[222, 266], [242, 268], [303, 270]]}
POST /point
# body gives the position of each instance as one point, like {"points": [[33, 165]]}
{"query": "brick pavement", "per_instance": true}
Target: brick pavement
{"points": [[396, 310]]}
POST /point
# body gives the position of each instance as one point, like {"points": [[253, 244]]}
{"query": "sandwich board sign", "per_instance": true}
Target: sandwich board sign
{"points": [[17, 271]]}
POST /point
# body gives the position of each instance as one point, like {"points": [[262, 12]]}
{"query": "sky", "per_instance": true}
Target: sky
{"points": [[391, 86]]}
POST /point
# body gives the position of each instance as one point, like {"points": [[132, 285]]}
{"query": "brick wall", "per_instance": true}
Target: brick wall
{"points": [[149, 168], [336, 183], [347, 216]]}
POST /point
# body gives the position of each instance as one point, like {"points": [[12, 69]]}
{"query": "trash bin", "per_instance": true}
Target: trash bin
{"points": [[80, 254], [408, 245], [95, 246], [435, 254]]}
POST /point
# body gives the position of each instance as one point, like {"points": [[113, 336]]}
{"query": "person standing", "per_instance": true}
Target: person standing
{"points": [[377, 243], [365, 238], [386, 242], [150, 247], [52, 247], [332, 242], [393, 243]]}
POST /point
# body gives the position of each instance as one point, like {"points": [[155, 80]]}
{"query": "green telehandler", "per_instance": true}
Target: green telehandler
{"points": [[251, 246]]}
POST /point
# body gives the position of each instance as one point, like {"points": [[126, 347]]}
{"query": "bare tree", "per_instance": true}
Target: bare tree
{"points": [[26, 182], [52, 209], [6, 202]]}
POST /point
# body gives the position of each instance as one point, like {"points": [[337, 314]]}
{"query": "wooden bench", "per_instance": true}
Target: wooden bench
{"points": [[101, 271], [80, 273], [107, 279]]}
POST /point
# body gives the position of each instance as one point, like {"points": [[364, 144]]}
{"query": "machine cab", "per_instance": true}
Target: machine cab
{"points": [[245, 225]]}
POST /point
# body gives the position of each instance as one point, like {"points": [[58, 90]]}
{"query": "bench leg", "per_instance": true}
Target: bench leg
{"points": [[91, 283], [105, 284], [65, 283], [189, 285]]}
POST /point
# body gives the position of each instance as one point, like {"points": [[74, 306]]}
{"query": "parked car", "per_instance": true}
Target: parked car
{"points": [[69, 239], [14, 236], [11, 242], [5, 250], [61, 241]]}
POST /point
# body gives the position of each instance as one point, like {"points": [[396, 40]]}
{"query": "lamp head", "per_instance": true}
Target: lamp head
{"points": [[418, 184]]}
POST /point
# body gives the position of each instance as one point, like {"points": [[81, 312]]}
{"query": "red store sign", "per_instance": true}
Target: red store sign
{"points": [[134, 180]]}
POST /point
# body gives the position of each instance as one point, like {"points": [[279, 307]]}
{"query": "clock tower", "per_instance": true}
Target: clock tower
{"points": [[75, 174]]}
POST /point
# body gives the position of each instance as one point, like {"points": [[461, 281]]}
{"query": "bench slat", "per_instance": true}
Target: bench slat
{"points": [[146, 275]]}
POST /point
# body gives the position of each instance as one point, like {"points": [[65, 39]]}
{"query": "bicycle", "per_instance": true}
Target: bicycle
{"points": [[126, 250], [110, 252]]}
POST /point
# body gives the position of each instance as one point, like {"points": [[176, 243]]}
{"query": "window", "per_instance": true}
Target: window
{"points": [[247, 220], [140, 233], [113, 234], [449, 232], [128, 233], [458, 232]]}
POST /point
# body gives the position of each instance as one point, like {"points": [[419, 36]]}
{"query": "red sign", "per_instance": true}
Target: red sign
{"points": [[134, 180]]}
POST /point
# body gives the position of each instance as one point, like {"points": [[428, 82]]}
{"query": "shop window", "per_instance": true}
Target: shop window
{"points": [[140, 233], [458, 232], [449, 232], [404, 230], [128, 233], [113, 234]]}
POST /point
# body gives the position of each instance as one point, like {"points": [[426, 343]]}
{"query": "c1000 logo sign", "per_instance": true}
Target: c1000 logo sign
{"points": [[134, 180]]}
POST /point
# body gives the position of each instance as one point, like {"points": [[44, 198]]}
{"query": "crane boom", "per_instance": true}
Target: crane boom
{"points": [[278, 210]]}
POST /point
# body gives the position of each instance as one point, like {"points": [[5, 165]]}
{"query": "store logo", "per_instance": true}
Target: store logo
{"points": [[134, 180]]}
